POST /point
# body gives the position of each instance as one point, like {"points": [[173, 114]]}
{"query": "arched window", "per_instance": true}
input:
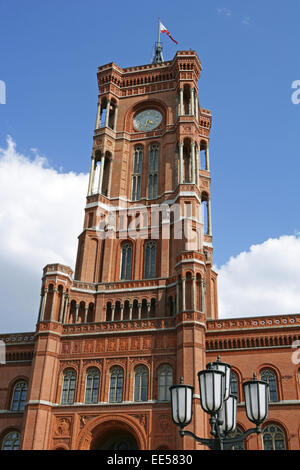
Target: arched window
{"points": [[153, 171], [116, 385], [68, 388], [92, 385], [140, 383], [269, 376], [165, 381], [234, 385], [126, 261], [273, 438], [11, 441], [240, 445], [137, 173], [19, 396], [150, 260]]}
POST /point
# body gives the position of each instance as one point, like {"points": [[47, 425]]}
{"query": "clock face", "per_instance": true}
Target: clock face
{"points": [[147, 120]]}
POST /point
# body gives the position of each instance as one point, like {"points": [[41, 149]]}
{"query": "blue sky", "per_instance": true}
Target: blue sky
{"points": [[249, 52]]}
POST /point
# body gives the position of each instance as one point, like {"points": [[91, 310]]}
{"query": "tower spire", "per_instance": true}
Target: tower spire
{"points": [[158, 57]]}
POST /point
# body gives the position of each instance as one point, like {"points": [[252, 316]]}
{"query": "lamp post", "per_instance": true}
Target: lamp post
{"points": [[217, 401]]}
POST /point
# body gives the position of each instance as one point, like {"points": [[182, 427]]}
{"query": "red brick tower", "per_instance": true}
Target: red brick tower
{"points": [[135, 312]]}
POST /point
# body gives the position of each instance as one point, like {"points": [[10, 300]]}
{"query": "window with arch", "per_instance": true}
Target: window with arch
{"points": [[165, 381], [269, 376], [234, 385], [240, 445], [92, 385], [137, 173], [153, 171], [116, 385], [68, 387], [19, 396], [150, 259], [126, 260], [11, 441], [273, 437], [141, 383]]}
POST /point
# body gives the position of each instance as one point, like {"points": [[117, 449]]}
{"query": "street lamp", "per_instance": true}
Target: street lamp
{"points": [[216, 400]]}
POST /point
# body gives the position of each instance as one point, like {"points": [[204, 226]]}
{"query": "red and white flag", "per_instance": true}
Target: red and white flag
{"points": [[163, 29]]}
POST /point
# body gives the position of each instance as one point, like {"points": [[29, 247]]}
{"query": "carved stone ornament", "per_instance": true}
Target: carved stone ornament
{"points": [[63, 427], [164, 422]]}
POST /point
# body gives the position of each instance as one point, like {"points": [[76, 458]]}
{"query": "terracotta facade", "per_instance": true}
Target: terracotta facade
{"points": [[141, 309]]}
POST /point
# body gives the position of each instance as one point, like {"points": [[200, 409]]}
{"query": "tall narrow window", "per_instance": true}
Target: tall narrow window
{"points": [[273, 438], [116, 385], [126, 261], [19, 396], [269, 376], [68, 388], [11, 441], [137, 173], [92, 385], [153, 171], [150, 260], [140, 383], [165, 380]]}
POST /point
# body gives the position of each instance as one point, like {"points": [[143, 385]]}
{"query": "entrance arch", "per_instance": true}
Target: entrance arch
{"points": [[113, 432], [114, 438]]}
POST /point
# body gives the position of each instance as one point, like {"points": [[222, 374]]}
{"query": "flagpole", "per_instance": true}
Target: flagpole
{"points": [[158, 30]]}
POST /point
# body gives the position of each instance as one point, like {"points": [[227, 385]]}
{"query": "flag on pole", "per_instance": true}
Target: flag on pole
{"points": [[163, 29]]}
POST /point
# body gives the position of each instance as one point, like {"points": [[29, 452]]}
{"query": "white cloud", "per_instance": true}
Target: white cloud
{"points": [[246, 20], [262, 281], [224, 11], [41, 215]]}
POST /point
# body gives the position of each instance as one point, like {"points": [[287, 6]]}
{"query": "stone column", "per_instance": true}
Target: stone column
{"points": [[101, 173], [67, 298], [198, 165], [121, 312], [209, 230], [148, 309], [203, 296], [44, 303], [115, 117], [196, 107], [92, 176], [98, 119], [177, 297], [193, 161], [194, 293], [181, 113], [192, 102], [113, 312], [183, 293], [40, 309], [207, 158], [53, 303], [85, 314], [180, 162], [130, 311], [107, 113], [139, 311], [62, 304], [109, 179], [76, 313]]}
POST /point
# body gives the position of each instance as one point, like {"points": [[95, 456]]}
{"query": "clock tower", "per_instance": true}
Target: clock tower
{"points": [[131, 320]]}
